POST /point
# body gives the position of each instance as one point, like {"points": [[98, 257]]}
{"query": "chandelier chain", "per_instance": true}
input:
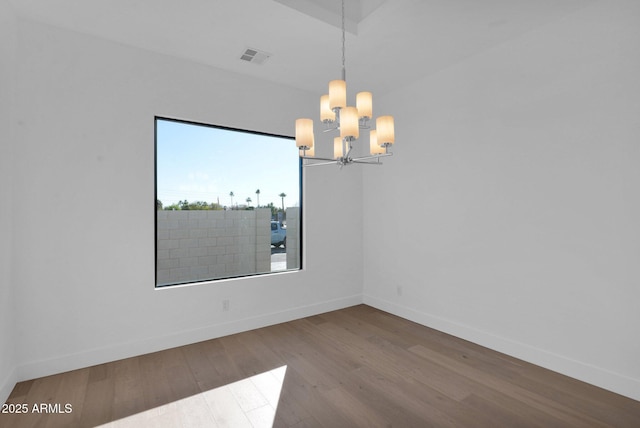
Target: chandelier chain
{"points": [[344, 69]]}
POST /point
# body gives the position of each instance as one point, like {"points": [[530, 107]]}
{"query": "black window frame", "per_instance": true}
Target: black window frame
{"points": [[155, 216]]}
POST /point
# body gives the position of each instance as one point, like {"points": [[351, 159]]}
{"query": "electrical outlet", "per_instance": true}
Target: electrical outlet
{"points": [[225, 305]]}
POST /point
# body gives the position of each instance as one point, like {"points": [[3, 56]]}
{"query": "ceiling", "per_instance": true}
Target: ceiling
{"points": [[388, 43]]}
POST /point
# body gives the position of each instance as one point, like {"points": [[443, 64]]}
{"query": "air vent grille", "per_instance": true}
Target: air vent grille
{"points": [[254, 56]]}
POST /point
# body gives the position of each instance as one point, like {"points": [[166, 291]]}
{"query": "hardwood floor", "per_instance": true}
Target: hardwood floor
{"points": [[350, 368]]}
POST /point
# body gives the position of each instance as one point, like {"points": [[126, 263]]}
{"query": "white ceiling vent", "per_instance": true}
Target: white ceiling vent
{"points": [[255, 56]]}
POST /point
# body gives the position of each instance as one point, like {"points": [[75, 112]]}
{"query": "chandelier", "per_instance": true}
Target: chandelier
{"points": [[336, 115]]}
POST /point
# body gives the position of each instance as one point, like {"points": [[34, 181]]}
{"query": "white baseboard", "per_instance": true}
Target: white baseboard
{"points": [[7, 385], [619, 384], [92, 357], [605, 379]]}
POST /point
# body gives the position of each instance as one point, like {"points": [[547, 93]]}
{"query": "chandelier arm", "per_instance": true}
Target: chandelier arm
{"points": [[349, 146], [314, 161], [332, 162], [364, 159], [312, 158], [366, 162]]}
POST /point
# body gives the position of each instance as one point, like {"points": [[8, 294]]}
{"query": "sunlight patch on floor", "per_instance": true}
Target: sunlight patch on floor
{"points": [[250, 402]]}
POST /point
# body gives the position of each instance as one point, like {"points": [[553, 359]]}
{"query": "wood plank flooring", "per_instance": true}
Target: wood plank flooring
{"points": [[356, 367]]}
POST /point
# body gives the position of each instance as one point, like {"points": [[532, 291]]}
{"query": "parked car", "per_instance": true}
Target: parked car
{"points": [[278, 234]]}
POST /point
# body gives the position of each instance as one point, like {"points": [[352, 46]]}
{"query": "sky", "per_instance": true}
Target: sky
{"points": [[202, 163]]}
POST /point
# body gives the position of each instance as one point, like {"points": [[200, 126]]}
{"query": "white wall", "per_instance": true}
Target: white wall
{"points": [[84, 179], [7, 357], [509, 215]]}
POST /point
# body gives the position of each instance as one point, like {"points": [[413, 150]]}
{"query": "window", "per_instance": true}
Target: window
{"points": [[227, 203]]}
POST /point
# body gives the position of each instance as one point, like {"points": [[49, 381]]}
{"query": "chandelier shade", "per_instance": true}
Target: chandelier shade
{"points": [[385, 127], [337, 148], [364, 104], [326, 114], [304, 133], [349, 126], [337, 94], [309, 152], [374, 147]]}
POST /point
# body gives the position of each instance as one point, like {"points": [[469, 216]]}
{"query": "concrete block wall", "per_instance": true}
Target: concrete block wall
{"points": [[199, 245], [293, 238]]}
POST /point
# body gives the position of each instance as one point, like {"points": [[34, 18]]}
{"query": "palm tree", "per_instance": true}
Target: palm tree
{"points": [[283, 195], [248, 201], [258, 197], [231, 194]]}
